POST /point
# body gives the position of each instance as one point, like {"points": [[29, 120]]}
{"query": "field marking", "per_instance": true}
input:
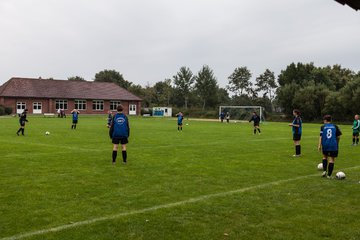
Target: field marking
{"points": [[154, 208]]}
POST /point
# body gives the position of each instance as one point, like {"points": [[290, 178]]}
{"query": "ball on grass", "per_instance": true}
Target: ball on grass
{"points": [[47, 133]]}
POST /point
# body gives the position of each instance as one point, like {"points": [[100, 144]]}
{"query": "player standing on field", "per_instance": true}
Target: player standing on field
{"points": [[227, 116], [119, 133], [180, 117], [22, 121], [356, 129], [256, 120], [329, 143], [75, 116], [297, 131], [222, 116]]}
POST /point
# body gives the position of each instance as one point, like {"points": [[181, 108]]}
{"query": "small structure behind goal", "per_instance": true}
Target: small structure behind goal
{"points": [[242, 113], [162, 111]]}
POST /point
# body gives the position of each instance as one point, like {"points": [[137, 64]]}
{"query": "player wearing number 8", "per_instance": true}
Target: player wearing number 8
{"points": [[329, 143]]}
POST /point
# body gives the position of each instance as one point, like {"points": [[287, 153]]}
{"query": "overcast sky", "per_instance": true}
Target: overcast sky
{"points": [[148, 41]]}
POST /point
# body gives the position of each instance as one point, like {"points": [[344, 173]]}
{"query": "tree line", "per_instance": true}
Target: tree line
{"points": [[314, 90]]}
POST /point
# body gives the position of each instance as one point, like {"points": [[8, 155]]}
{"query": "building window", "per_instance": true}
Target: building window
{"points": [[61, 104], [98, 105], [113, 105], [20, 106], [80, 104], [37, 105]]}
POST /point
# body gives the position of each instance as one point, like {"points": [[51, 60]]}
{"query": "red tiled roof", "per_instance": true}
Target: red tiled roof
{"points": [[47, 88], [355, 4]]}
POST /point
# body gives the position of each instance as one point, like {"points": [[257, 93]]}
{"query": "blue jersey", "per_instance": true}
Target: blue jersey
{"points": [[329, 133], [297, 121], [75, 115], [120, 126], [180, 118]]}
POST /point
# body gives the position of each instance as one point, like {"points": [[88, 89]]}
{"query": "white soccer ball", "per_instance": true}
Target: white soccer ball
{"points": [[340, 175], [47, 133], [320, 167], [234, 121]]}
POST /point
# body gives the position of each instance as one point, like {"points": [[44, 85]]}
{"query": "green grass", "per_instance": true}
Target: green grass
{"points": [[211, 181]]}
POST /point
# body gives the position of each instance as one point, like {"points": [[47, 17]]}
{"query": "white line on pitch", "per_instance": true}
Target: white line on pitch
{"points": [[150, 209]]}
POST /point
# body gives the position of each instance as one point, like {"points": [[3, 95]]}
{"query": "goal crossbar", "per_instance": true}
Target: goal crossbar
{"points": [[245, 107]]}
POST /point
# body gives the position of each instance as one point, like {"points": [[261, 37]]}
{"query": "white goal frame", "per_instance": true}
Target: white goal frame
{"points": [[246, 107]]}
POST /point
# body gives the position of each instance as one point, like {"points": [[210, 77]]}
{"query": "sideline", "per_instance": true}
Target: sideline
{"points": [[154, 208]]}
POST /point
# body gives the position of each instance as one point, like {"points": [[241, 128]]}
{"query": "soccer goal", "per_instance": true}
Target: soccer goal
{"points": [[242, 113]]}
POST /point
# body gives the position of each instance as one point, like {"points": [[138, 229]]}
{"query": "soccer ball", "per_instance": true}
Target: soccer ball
{"points": [[320, 166], [340, 175], [47, 133], [234, 121]]}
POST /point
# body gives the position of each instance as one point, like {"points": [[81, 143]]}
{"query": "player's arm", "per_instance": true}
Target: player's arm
{"points": [[128, 125], [338, 133], [111, 130], [320, 138]]}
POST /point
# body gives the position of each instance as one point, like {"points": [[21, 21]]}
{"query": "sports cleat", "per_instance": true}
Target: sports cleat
{"points": [[328, 177], [323, 174], [295, 155]]}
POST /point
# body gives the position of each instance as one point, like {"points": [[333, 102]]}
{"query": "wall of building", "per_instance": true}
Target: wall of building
{"points": [[48, 105]]}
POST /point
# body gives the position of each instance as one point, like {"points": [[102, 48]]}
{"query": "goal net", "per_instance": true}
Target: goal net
{"points": [[242, 113]]}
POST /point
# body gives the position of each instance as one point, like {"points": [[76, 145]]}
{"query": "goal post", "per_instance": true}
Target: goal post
{"points": [[242, 113]]}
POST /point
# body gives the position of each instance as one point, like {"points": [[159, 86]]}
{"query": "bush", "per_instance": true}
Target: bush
{"points": [[8, 110]]}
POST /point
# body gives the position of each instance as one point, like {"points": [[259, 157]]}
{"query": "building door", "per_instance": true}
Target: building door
{"points": [[132, 109], [37, 108], [20, 106]]}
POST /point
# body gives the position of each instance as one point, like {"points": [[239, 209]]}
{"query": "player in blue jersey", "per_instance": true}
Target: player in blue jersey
{"points": [[22, 121], [329, 143], [222, 116], [180, 117], [119, 133], [75, 117], [256, 120], [356, 130], [297, 131]]}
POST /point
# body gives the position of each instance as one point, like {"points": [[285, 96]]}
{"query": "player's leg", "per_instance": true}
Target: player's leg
{"points": [[258, 128], [353, 139], [325, 165], [114, 153], [357, 138], [254, 130], [123, 151], [297, 138], [331, 165]]}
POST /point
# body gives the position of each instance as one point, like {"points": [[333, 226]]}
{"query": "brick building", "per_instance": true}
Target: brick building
{"points": [[46, 96]]}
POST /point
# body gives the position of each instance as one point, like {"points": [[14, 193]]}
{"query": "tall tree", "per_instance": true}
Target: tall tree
{"points": [[112, 76], [163, 91], [183, 82], [206, 86], [239, 81], [266, 83]]}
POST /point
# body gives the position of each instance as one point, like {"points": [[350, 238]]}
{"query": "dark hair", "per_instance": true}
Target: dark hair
{"points": [[120, 108], [327, 118], [297, 111]]}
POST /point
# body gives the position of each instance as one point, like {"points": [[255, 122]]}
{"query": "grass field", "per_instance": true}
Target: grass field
{"points": [[210, 181]]}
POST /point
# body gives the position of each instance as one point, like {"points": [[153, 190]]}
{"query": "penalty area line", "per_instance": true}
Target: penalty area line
{"points": [[154, 208]]}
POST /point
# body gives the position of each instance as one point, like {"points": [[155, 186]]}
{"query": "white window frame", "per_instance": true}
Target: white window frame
{"points": [[80, 104], [20, 106], [98, 105], [61, 104], [114, 104], [37, 107]]}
